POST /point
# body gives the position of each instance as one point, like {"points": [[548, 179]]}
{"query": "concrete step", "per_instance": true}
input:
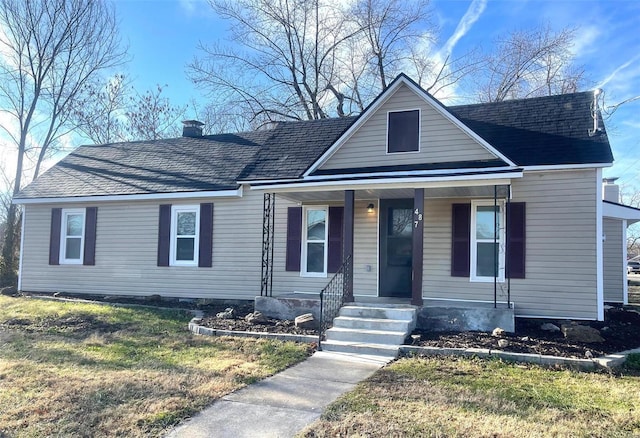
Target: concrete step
{"points": [[371, 323], [404, 314], [361, 348], [366, 336]]}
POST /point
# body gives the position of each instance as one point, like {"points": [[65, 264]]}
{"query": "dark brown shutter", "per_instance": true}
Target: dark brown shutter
{"points": [[516, 226], [336, 215], [206, 236], [164, 234], [294, 238], [54, 236], [460, 240], [90, 223]]}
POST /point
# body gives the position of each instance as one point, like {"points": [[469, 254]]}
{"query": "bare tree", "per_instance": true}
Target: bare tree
{"points": [[391, 29], [530, 63], [100, 113], [151, 116], [49, 50], [283, 63]]}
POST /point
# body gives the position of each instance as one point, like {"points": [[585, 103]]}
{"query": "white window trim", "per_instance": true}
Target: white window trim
{"points": [[501, 242], [419, 131], [303, 255], [63, 260], [175, 209]]}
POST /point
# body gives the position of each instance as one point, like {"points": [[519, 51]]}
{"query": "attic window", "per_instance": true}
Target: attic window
{"points": [[403, 131]]}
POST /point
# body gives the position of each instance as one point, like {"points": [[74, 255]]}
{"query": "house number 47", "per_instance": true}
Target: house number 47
{"points": [[418, 218]]}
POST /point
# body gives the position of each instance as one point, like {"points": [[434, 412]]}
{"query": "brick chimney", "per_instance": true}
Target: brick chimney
{"points": [[610, 190], [192, 128]]}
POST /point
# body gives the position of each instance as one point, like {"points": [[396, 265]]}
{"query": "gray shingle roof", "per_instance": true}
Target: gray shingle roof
{"points": [[541, 131], [161, 166]]}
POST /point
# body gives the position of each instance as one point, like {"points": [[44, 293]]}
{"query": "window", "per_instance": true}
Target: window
{"points": [[485, 242], [314, 241], [72, 236], [403, 131], [185, 225]]}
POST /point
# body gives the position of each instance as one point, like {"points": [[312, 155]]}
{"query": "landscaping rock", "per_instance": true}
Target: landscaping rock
{"points": [[9, 291], [581, 333], [503, 343], [229, 313], [305, 321], [548, 327], [497, 332], [588, 354], [255, 317]]}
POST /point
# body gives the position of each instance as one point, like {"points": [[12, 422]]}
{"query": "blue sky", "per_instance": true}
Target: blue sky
{"points": [[163, 36]]}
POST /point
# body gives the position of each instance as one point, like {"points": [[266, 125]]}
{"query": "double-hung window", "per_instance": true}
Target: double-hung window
{"points": [[487, 241], [185, 227], [72, 236], [314, 241]]}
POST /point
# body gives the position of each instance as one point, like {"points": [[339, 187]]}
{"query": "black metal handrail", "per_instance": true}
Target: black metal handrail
{"points": [[333, 296]]}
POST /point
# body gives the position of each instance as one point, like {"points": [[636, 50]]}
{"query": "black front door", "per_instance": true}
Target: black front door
{"points": [[396, 247]]}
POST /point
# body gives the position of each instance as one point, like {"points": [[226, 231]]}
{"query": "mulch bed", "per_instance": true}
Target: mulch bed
{"points": [[620, 330]]}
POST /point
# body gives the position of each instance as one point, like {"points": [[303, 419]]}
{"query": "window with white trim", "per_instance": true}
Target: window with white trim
{"points": [[403, 131], [185, 228], [487, 241], [72, 236], [314, 241]]}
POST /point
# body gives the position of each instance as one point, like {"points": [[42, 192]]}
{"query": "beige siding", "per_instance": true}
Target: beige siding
{"points": [[614, 265], [126, 253], [560, 248], [440, 140], [365, 255]]}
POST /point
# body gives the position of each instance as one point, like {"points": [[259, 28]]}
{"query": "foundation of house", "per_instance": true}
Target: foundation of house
{"points": [[434, 315]]}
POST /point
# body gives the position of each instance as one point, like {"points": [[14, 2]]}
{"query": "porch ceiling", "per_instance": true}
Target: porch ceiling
{"points": [[372, 194]]}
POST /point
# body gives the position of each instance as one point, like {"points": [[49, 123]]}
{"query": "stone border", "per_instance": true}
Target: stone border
{"points": [[609, 361], [197, 329]]}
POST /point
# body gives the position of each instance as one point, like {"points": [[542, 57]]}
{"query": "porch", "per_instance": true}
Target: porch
{"points": [[384, 230]]}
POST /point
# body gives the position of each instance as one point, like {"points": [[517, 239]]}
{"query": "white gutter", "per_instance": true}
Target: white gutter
{"points": [[138, 197], [567, 166], [448, 181]]}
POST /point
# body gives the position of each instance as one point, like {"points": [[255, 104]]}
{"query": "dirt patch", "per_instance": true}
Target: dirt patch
{"points": [[76, 324], [239, 323], [620, 330]]}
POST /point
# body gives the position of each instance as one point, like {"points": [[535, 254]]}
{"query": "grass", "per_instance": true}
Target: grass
{"points": [[71, 369], [445, 397]]}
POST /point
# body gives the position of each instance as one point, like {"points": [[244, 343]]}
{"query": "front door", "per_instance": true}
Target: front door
{"points": [[396, 247]]}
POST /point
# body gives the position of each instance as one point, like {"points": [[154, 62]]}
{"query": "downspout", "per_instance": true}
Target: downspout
{"points": [[625, 285], [599, 248], [506, 250], [24, 215], [495, 247]]}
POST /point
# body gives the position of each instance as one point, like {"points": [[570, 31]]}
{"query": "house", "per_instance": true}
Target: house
{"points": [[497, 203]]}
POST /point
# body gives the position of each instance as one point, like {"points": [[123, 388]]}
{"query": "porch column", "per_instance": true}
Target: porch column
{"points": [[418, 250], [349, 200]]}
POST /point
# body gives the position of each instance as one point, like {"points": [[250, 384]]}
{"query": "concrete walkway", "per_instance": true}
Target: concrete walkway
{"points": [[282, 405]]}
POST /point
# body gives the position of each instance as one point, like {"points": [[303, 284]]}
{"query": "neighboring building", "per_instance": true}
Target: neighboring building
{"points": [[476, 203]]}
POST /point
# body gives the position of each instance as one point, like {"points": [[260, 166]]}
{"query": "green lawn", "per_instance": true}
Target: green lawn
{"points": [[70, 369], [447, 397]]}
